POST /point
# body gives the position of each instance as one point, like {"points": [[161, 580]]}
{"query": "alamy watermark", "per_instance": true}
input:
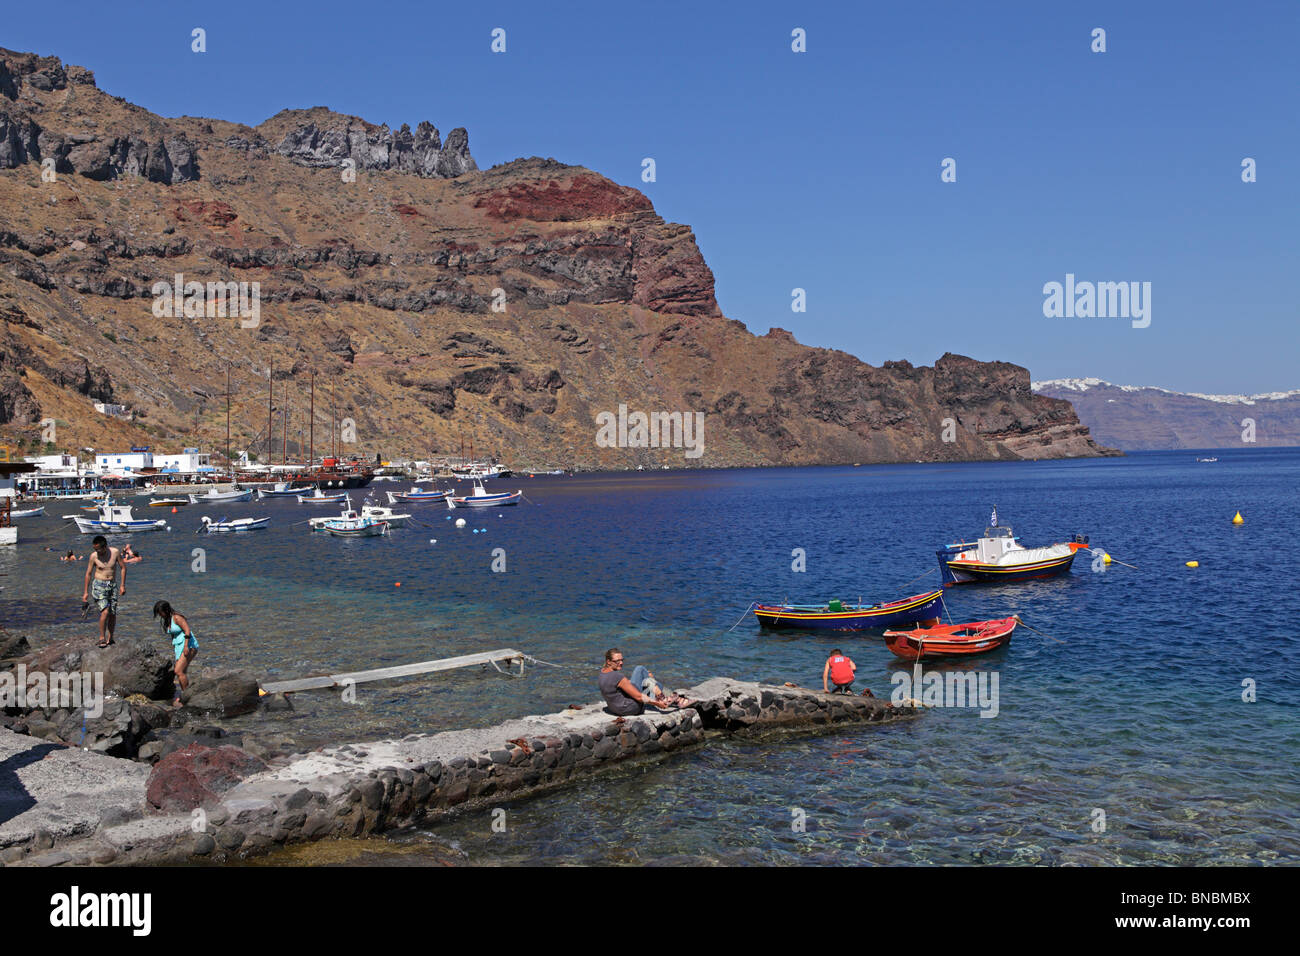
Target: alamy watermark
{"points": [[950, 689], [653, 430], [1102, 300], [215, 300], [53, 690]]}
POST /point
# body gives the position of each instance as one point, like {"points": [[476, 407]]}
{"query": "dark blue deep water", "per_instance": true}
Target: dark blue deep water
{"points": [[1136, 709]]}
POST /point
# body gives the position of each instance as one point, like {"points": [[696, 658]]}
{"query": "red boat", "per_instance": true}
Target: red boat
{"points": [[951, 640]]}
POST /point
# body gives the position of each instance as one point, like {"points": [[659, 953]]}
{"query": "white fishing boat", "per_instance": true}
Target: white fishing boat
{"points": [[477, 471], [416, 494], [353, 525], [283, 489], [380, 513], [237, 524], [223, 497], [320, 498], [28, 512], [116, 519], [482, 499]]}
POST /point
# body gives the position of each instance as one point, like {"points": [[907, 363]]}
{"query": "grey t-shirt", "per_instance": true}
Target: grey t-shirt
{"points": [[619, 703]]}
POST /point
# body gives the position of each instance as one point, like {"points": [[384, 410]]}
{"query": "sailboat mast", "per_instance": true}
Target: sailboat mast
{"points": [[311, 427], [284, 449], [228, 462], [270, 398], [334, 415]]}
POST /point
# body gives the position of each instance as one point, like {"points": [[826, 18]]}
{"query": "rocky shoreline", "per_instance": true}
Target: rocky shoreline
{"points": [[210, 801]]}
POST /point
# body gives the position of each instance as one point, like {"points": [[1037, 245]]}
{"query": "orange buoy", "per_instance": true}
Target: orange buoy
{"points": [[173, 509], [397, 584]]}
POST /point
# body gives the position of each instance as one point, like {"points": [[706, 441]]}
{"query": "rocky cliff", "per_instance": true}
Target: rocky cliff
{"points": [[509, 306]]}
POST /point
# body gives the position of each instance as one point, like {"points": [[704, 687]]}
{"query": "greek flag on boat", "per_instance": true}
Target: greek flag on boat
{"points": [[993, 522]]}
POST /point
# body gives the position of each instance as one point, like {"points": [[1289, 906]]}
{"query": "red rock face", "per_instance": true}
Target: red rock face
{"points": [[585, 196], [217, 214], [197, 776]]}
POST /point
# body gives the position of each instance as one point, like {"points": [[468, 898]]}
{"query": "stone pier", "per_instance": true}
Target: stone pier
{"points": [[206, 805]]}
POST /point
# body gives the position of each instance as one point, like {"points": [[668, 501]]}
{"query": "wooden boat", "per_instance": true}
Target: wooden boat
{"points": [[27, 512], [169, 503], [223, 497], [837, 616], [283, 489], [355, 527], [951, 640], [116, 519], [416, 494], [481, 499], [320, 498], [238, 524], [998, 557]]}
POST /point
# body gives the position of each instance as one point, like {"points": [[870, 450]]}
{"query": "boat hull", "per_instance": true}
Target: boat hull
{"points": [[915, 609], [954, 640], [222, 498], [239, 524], [95, 526], [974, 572]]}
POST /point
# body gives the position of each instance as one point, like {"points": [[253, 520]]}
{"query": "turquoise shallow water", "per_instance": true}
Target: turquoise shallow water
{"points": [[1138, 713]]}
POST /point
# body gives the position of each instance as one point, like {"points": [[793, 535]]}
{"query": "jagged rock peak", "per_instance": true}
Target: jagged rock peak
{"points": [[319, 137], [46, 73]]}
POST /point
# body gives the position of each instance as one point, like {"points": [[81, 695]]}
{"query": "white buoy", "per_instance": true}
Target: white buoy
{"points": [[433, 540], [460, 522]]}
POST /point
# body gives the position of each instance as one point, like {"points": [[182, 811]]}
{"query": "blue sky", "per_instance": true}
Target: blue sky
{"points": [[820, 170]]}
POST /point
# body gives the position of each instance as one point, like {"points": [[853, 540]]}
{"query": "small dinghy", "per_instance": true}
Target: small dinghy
{"points": [[282, 489], [416, 494], [223, 497], [838, 616], [169, 503], [951, 640], [322, 499], [481, 499], [238, 524], [28, 512]]}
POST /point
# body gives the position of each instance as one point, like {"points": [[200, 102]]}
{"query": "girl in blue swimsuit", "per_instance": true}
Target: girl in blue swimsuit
{"points": [[184, 644]]}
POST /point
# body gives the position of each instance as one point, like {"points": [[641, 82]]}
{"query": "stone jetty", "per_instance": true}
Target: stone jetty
{"points": [[61, 805]]}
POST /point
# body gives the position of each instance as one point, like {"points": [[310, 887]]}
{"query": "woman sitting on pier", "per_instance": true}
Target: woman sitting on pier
{"points": [[184, 644], [627, 698]]}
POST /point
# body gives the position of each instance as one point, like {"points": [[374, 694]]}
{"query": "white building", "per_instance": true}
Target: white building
{"points": [[62, 464], [188, 461], [118, 411], [123, 463]]}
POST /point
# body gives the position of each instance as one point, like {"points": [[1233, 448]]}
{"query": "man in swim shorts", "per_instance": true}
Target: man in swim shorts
{"points": [[104, 564]]}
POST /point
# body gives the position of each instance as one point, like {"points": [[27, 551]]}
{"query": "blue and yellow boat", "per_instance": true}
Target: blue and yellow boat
{"points": [[998, 557], [838, 616]]}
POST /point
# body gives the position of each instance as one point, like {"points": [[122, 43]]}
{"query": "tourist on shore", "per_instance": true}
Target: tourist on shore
{"points": [[184, 644], [627, 698], [841, 670], [104, 564]]}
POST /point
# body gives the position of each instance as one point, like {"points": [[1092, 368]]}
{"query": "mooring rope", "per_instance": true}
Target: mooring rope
{"points": [[742, 617], [917, 578], [1037, 631]]}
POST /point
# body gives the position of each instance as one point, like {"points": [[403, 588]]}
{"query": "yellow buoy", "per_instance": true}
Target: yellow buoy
{"points": [[1105, 558], [1238, 519], [1193, 564]]}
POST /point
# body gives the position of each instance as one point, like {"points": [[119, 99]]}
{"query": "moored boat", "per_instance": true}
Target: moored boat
{"points": [[320, 498], [223, 497], [416, 494], [838, 616], [28, 512], [380, 513], [357, 527], [283, 489], [237, 524], [169, 502], [951, 640], [482, 499], [116, 519], [999, 557]]}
